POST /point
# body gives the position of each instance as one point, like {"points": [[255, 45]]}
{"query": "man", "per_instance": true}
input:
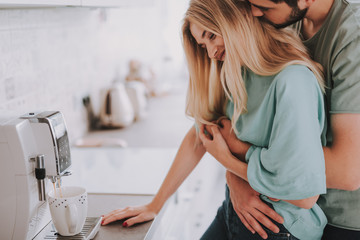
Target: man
{"points": [[331, 31]]}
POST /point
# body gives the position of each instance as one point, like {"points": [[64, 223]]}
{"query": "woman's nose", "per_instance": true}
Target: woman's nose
{"points": [[212, 51], [256, 12]]}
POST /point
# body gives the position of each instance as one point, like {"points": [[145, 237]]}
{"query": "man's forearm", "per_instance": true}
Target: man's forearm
{"points": [[341, 170], [239, 149], [342, 158]]}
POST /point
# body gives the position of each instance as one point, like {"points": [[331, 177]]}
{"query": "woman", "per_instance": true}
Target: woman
{"points": [[265, 82]]}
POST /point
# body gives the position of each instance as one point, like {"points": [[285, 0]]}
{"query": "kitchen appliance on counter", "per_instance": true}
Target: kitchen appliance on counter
{"points": [[34, 152], [116, 108]]}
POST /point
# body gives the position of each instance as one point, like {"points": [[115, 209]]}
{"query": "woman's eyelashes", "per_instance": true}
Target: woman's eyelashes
{"points": [[212, 36]]}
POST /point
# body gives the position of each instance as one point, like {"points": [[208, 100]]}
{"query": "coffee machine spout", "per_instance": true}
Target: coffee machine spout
{"points": [[57, 178], [53, 179]]}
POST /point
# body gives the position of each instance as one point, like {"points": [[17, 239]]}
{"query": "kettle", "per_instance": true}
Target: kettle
{"points": [[137, 93], [117, 110]]}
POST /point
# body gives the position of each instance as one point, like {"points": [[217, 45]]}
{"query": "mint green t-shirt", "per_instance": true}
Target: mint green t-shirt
{"points": [[284, 123], [336, 46]]}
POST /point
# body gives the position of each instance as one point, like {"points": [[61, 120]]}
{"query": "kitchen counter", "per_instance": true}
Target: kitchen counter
{"points": [[100, 204]]}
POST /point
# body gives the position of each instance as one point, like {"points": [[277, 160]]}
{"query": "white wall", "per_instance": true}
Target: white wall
{"points": [[50, 58]]}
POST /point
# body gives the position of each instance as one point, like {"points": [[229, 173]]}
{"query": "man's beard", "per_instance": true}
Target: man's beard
{"points": [[296, 15]]}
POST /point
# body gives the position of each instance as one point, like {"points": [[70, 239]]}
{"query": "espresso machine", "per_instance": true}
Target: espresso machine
{"points": [[34, 155]]}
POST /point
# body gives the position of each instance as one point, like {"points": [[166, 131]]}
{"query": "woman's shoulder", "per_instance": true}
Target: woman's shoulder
{"points": [[295, 72], [295, 75], [295, 80]]}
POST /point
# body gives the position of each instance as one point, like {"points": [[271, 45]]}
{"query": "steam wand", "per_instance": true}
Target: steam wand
{"points": [[40, 174]]}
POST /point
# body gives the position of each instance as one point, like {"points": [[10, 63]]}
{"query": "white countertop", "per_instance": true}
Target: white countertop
{"points": [[120, 170]]}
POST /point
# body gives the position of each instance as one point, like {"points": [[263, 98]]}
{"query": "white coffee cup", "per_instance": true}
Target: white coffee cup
{"points": [[68, 208]]}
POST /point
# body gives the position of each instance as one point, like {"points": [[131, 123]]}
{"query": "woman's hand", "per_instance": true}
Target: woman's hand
{"points": [[132, 214], [213, 141], [228, 133], [236, 146]]}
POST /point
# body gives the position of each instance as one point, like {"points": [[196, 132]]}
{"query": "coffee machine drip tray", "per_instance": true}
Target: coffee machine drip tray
{"points": [[90, 229]]}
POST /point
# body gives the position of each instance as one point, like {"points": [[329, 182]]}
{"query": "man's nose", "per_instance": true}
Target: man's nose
{"points": [[256, 12]]}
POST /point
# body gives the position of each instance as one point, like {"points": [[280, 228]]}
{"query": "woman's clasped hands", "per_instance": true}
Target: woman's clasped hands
{"points": [[214, 142], [221, 141]]}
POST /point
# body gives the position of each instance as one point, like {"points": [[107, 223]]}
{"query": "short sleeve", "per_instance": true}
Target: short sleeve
{"points": [[345, 93], [292, 166]]}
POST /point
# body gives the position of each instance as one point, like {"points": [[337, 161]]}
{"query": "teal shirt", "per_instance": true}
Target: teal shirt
{"points": [[336, 46], [284, 123]]}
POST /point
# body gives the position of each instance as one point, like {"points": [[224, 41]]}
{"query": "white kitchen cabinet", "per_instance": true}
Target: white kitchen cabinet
{"points": [[117, 3], [196, 203], [206, 186], [38, 3], [74, 3]]}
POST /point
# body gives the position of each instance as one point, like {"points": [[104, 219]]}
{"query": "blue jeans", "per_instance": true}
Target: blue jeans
{"points": [[227, 226]]}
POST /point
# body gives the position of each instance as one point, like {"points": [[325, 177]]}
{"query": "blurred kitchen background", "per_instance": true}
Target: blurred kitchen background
{"points": [[57, 58], [53, 57]]}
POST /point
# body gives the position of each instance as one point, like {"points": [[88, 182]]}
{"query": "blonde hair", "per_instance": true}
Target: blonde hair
{"points": [[249, 44]]}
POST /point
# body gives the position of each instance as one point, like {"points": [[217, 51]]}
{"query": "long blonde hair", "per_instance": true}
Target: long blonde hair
{"points": [[249, 44]]}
